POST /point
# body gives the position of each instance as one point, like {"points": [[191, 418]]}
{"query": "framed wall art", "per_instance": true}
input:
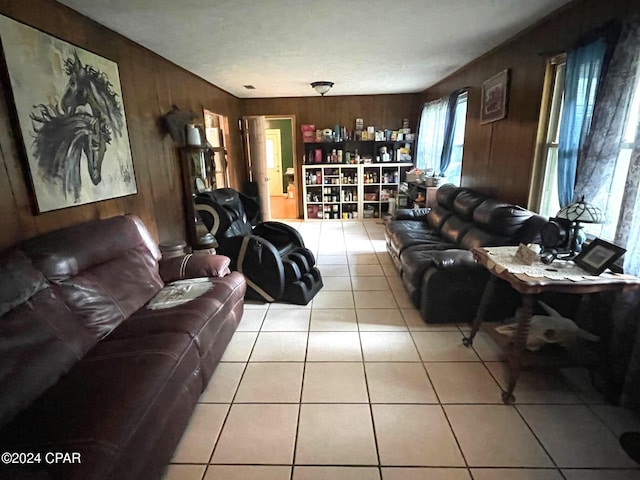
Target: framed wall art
{"points": [[495, 92], [71, 117]]}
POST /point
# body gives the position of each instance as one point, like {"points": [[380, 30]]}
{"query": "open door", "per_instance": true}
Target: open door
{"points": [[253, 132]]}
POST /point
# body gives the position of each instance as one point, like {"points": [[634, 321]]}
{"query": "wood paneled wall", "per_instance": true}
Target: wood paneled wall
{"points": [[150, 85], [382, 111], [499, 157]]}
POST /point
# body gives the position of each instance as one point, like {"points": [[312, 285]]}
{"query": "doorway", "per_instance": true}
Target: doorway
{"points": [[271, 163]]}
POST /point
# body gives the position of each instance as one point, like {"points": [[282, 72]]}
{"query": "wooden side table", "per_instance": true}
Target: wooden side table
{"points": [[529, 287]]}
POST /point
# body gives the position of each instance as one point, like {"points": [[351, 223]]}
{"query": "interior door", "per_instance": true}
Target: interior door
{"points": [[274, 161], [255, 143]]}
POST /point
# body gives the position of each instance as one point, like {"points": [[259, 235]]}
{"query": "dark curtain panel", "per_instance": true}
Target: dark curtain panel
{"points": [[450, 122], [599, 154]]}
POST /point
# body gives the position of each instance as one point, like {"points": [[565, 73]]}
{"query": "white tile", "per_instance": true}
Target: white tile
{"points": [[415, 435], [580, 474], [395, 283], [333, 271], [327, 382], [239, 347], [618, 419], [388, 347], [363, 259], [250, 304], [402, 299], [223, 384], [414, 321], [463, 382], [335, 434], [247, 472], [439, 346], [258, 434], [201, 434], [495, 436], [390, 270], [380, 320], [396, 382], [332, 299], [280, 347], [424, 473], [271, 382], [366, 270], [575, 437], [370, 283], [515, 474], [331, 260], [333, 320], [579, 380], [384, 258], [535, 385], [251, 320], [287, 320], [184, 472], [336, 283], [335, 473], [374, 299], [487, 349], [334, 347]]}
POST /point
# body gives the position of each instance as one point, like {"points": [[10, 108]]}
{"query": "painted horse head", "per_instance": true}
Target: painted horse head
{"points": [[90, 87], [60, 142]]}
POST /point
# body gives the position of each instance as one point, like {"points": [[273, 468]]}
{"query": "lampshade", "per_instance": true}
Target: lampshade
{"points": [[322, 87], [581, 212]]}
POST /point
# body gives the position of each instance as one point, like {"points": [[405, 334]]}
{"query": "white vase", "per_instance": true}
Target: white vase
{"points": [[193, 135]]}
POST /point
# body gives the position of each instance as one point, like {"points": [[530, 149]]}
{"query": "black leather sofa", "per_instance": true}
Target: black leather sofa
{"points": [[431, 249], [93, 384]]}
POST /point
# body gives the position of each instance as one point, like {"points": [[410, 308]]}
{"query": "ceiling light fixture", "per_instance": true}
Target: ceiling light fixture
{"points": [[322, 87]]}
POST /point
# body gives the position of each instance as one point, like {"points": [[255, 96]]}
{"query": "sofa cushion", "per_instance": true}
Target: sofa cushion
{"points": [[104, 270], [437, 216], [119, 396], [500, 218], [454, 229], [446, 194], [466, 202], [40, 339], [209, 320]]}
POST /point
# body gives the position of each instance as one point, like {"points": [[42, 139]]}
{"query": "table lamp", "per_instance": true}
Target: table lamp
{"points": [[577, 213]]}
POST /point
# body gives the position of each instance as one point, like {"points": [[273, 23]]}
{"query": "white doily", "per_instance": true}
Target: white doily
{"points": [[503, 258]]}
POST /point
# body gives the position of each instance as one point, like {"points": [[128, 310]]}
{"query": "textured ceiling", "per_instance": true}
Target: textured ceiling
{"points": [[281, 46]]}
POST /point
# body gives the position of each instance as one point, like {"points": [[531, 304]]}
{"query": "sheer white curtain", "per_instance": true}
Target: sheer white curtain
{"points": [[431, 134]]}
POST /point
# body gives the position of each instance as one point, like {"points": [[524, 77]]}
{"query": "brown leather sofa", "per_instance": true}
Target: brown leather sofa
{"points": [[87, 369], [431, 249]]}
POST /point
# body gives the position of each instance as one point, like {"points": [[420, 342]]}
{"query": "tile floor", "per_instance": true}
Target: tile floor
{"points": [[354, 386]]}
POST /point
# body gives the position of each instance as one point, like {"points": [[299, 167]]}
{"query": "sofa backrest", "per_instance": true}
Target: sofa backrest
{"points": [[40, 338], [104, 270], [471, 219]]}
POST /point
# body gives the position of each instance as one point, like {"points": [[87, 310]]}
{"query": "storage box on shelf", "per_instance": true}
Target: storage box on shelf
{"points": [[348, 191]]}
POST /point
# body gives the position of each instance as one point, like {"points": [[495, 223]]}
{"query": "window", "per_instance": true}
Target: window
{"points": [[431, 138], [611, 207]]}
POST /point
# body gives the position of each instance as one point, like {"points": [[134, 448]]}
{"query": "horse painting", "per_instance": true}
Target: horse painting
{"points": [[80, 127], [71, 115]]}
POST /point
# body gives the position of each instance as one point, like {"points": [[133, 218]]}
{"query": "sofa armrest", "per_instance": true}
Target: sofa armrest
{"points": [[453, 259], [193, 266], [411, 214]]}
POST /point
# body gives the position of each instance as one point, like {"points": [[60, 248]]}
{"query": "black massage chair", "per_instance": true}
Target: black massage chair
{"points": [[271, 255]]}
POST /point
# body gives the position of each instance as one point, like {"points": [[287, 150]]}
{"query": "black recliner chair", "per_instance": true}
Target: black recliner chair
{"points": [[271, 255]]}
